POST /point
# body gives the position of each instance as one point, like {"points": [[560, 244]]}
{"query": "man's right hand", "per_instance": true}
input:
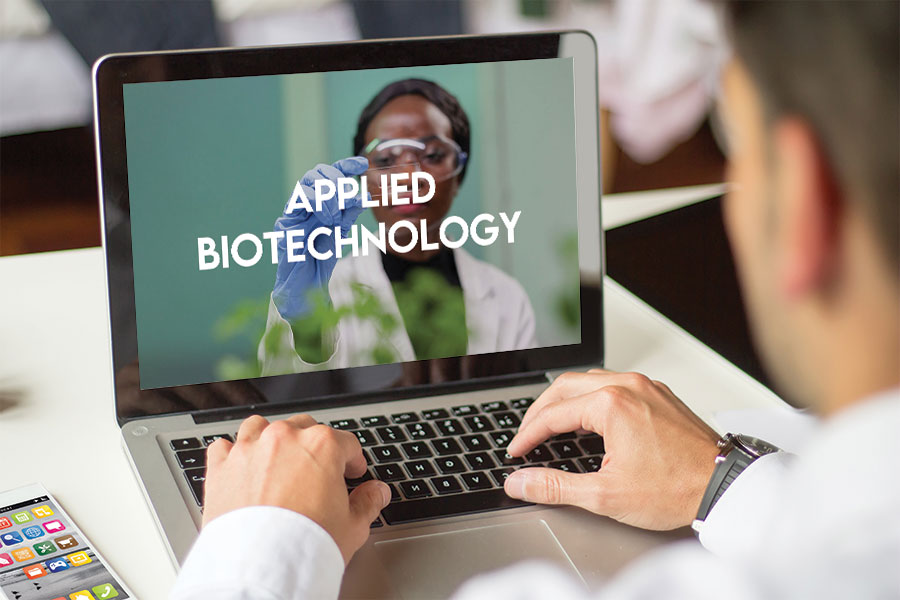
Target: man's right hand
{"points": [[659, 455], [294, 281], [299, 465]]}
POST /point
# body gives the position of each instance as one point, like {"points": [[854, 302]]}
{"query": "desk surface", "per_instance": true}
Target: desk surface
{"points": [[60, 429]]}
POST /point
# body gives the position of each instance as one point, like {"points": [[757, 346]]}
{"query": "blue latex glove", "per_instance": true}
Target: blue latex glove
{"points": [[295, 280]]}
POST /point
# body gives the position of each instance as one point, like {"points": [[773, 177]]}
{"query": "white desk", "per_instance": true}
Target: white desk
{"points": [[61, 430]]}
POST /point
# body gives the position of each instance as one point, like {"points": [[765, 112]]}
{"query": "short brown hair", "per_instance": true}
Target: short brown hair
{"points": [[835, 63]]}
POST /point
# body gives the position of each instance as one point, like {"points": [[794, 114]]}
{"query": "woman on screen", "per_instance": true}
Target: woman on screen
{"points": [[390, 307]]}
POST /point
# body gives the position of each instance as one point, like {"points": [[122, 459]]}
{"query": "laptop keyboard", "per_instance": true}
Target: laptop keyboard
{"points": [[438, 462]]}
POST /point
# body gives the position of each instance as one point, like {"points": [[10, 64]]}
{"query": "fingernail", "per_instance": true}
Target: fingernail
{"points": [[515, 485], [385, 494]]}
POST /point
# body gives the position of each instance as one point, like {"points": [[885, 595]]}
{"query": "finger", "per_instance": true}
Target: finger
{"points": [[367, 500], [566, 385], [218, 451], [301, 421], [552, 486], [581, 412], [251, 428], [343, 447], [353, 165]]}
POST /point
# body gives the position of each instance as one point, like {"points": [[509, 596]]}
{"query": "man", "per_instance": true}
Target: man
{"points": [[811, 98]]}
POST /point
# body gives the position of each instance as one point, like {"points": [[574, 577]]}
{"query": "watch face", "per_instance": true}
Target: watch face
{"points": [[754, 445]]}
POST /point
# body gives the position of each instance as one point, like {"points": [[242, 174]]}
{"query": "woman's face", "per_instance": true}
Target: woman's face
{"points": [[412, 116]]}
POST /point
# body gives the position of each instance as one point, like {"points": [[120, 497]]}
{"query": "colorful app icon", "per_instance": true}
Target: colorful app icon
{"points": [[34, 571], [82, 595], [44, 548], [5, 560], [78, 558], [102, 592], [23, 554], [4, 523], [54, 526], [42, 511], [65, 542], [33, 532], [13, 537], [55, 565], [22, 517]]}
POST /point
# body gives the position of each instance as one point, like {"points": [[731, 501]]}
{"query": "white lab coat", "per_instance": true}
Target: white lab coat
{"points": [[823, 526], [499, 316]]}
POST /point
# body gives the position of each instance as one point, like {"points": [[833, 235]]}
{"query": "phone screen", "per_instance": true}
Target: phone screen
{"points": [[44, 556]]}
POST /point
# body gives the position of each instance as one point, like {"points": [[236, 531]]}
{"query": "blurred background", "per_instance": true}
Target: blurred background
{"points": [[657, 70]]}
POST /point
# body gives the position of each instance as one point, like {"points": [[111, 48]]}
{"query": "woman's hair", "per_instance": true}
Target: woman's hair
{"points": [[441, 98]]}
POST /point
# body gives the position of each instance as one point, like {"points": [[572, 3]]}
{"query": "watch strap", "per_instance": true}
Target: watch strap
{"points": [[723, 476]]}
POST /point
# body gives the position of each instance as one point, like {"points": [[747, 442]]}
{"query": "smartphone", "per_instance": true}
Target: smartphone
{"points": [[43, 554]]}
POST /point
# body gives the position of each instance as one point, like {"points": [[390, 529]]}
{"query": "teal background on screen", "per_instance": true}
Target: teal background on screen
{"points": [[221, 157]]}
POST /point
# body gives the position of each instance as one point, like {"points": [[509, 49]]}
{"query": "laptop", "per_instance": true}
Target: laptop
{"points": [[200, 153]]}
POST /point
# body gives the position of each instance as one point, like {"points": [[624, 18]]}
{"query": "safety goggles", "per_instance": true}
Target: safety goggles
{"points": [[440, 156]]}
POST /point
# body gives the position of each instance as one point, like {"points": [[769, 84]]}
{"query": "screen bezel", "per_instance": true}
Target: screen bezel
{"points": [[291, 391]]}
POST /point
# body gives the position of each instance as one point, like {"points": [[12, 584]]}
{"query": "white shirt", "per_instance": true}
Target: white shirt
{"points": [[825, 524]]}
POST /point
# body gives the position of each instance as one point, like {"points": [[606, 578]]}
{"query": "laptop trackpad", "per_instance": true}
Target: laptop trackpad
{"points": [[433, 566]]}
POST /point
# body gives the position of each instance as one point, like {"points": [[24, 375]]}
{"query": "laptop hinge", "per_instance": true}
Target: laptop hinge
{"points": [[339, 400]]}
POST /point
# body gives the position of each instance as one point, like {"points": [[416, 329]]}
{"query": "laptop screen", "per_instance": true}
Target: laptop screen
{"points": [[352, 230]]}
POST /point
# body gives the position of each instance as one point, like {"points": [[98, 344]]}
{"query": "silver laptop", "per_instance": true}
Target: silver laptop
{"points": [[441, 321]]}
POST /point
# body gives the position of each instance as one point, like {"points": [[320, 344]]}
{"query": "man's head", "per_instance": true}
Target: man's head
{"points": [[811, 102]]}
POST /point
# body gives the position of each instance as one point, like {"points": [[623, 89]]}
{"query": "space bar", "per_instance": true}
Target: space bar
{"points": [[449, 506]]}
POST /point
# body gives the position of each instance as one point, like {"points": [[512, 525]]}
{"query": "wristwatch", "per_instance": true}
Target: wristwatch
{"points": [[736, 452]]}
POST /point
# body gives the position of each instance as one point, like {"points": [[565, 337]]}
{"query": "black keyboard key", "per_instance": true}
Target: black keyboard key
{"points": [[345, 424], [449, 427], [563, 436], [196, 478], [435, 413], [190, 459], [420, 431], [209, 439], [564, 465], [377, 421], [494, 406], [446, 446], [376, 523], [446, 485], [539, 454], [450, 464], [365, 437], [565, 449], [500, 475], [474, 443], [476, 481], [478, 423], [389, 472], [367, 457], [420, 468], [464, 411], [384, 454], [390, 435], [352, 483], [501, 439], [448, 506], [507, 420], [416, 450], [504, 459], [411, 489], [592, 445], [185, 444], [590, 464], [521, 403], [479, 461], [405, 417]]}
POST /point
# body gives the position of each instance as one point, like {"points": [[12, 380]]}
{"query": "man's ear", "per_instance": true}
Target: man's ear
{"points": [[808, 211]]}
